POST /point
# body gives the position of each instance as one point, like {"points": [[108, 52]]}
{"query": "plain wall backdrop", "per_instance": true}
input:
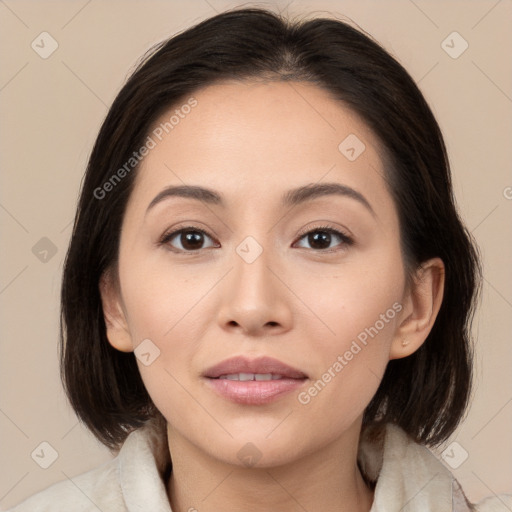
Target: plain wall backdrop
{"points": [[55, 90]]}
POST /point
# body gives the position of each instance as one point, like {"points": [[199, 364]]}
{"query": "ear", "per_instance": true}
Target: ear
{"points": [[118, 333], [421, 306]]}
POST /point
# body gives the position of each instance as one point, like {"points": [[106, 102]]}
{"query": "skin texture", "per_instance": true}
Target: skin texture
{"points": [[302, 304]]}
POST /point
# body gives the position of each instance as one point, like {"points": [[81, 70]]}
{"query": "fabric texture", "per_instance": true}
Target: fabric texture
{"points": [[405, 475]]}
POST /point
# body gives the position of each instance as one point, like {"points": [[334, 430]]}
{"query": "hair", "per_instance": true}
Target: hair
{"points": [[426, 393]]}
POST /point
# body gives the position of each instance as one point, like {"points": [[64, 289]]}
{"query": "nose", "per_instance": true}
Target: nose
{"points": [[255, 301]]}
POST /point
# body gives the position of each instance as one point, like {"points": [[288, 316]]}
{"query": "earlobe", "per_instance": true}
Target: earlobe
{"points": [[420, 311], [118, 333]]}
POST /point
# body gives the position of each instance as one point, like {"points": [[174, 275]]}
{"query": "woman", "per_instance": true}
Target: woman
{"points": [[267, 297]]}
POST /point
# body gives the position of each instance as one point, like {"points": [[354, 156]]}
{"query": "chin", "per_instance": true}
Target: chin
{"points": [[254, 450]]}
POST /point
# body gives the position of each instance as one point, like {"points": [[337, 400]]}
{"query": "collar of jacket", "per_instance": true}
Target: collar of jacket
{"points": [[407, 476]]}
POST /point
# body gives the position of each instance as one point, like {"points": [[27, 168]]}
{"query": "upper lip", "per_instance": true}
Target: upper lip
{"points": [[241, 364]]}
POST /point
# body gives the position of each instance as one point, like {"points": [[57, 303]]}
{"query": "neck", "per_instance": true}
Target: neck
{"points": [[327, 480]]}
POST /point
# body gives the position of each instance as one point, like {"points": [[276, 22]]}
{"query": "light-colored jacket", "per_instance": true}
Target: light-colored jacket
{"points": [[408, 477]]}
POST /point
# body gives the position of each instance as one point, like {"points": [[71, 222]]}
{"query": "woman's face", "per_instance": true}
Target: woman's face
{"points": [[246, 278]]}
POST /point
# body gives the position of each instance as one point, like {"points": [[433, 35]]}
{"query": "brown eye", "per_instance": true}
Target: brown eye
{"points": [[187, 239], [321, 238]]}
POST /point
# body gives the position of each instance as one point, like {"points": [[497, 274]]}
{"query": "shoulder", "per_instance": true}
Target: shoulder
{"points": [[411, 475], [133, 480], [90, 491], [498, 503]]}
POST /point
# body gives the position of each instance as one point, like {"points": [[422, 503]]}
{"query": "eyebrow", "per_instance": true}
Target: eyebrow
{"points": [[290, 198]]}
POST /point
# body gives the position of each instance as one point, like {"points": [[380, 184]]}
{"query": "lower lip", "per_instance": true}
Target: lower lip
{"points": [[254, 392]]}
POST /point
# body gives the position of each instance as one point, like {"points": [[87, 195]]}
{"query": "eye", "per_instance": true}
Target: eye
{"points": [[321, 238], [192, 239], [188, 239]]}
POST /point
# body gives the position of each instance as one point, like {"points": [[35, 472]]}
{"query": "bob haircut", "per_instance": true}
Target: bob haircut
{"points": [[425, 393]]}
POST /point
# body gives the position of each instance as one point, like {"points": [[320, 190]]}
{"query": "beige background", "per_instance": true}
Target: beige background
{"points": [[52, 108]]}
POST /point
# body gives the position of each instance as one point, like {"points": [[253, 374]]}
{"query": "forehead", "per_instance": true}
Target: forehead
{"points": [[251, 139]]}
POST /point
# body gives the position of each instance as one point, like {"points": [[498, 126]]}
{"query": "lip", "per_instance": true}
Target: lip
{"points": [[254, 392], [241, 364]]}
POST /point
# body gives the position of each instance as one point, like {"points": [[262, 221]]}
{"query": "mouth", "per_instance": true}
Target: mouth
{"points": [[253, 382], [253, 369], [251, 376]]}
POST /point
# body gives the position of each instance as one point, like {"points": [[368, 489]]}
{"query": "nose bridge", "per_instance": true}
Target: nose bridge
{"points": [[253, 298], [253, 277], [254, 253]]}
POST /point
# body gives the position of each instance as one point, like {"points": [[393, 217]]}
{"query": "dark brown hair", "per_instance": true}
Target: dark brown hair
{"points": [[426, 393]]}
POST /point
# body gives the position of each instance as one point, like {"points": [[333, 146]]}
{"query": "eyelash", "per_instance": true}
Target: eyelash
{"points": [[346, 239]]}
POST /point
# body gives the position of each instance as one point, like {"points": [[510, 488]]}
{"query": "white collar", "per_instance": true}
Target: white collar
{"points": [[408, 476]]}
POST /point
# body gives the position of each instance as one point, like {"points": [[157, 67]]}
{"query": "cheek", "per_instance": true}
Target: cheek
{"points": [[357, 297], [162, 298], [358, 314], [164, 305], [349, 366]]}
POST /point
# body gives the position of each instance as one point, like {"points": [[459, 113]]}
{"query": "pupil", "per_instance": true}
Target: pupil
{"points": [[191, 239], [320, 237]]}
